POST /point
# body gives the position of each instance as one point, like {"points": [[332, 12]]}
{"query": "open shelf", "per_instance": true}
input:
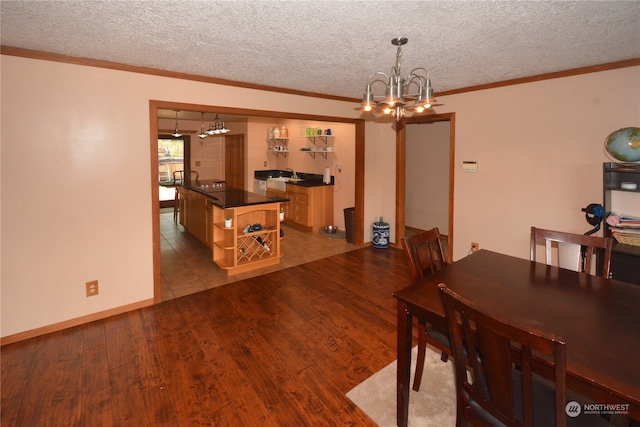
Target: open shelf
{"points": [[278, 146], [621, 185], [320, 144], [237, 251]]}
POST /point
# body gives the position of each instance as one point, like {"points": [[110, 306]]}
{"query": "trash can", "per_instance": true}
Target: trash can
{"points": [[349, 223]]}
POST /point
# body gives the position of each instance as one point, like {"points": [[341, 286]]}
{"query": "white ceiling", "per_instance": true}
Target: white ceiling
{"points": [[331, 47]]}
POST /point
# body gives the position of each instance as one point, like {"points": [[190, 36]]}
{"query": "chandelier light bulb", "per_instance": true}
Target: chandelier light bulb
{"points": [[413, 92]]}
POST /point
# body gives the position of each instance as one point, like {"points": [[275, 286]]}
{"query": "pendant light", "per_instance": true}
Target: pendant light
{"points": [[176, 133], [202, 133]]}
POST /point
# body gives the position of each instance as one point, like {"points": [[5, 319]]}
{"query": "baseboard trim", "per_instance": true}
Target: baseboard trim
{"points": [[21, 336]]}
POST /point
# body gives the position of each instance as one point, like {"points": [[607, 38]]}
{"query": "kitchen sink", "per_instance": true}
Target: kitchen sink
{"points": [[279, 184]]}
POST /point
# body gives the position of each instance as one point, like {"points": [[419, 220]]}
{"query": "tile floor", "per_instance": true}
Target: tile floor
{"points": [[187, 266]]}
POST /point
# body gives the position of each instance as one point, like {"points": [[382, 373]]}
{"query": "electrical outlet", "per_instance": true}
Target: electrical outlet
{"points": [[339, 168], [92, 288], [265, 163], [475, 247]]}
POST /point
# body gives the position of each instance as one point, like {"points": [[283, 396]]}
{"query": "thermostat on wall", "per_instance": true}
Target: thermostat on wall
{"points": [[469, 166]]}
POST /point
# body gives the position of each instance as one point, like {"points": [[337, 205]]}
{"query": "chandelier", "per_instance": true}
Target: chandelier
{"points": [[397, 98], [215, 128]]}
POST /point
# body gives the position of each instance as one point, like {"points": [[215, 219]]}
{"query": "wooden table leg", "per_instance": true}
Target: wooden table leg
{"points": [[404, 363]]}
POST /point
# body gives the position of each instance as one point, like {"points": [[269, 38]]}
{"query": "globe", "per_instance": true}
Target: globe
{"points": [[623, 145]]}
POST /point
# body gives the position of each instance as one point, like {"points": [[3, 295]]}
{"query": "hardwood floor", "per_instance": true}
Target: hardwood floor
{"points": [[281, 349], [187, 266]]}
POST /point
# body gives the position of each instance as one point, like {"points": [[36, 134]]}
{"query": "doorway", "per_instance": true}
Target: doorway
{"points": [[401, 175], [234, 161], [171, 158], [359, 156]]}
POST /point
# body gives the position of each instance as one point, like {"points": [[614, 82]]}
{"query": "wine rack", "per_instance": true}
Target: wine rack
{"points": [[235, 250], [255, 245]]}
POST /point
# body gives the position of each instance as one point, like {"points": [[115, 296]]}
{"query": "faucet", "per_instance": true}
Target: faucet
{"points": [[295, 176]]}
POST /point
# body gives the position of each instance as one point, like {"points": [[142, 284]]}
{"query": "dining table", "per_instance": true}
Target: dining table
{"points": [[599, 319]]}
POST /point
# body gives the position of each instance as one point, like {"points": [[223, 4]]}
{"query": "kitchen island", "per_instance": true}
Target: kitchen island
{"points": [[250, 241]]}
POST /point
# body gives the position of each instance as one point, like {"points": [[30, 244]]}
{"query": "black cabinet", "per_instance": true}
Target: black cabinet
{"points": [[622, 196]]}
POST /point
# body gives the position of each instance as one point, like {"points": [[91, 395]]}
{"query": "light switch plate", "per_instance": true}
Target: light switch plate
{"points": [[470, 166]]}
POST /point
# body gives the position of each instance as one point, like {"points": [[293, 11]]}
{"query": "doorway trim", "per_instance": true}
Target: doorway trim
{"points": [[401, 170], [155, 105]]}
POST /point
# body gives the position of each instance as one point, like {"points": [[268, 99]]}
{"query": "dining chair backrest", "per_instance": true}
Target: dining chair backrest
{"points": [[499, 357], [570, 250], [424, 253], [178, 176]]}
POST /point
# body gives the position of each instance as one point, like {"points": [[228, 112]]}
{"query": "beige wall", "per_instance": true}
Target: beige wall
{"points": [[76, 189], [540, 152]]}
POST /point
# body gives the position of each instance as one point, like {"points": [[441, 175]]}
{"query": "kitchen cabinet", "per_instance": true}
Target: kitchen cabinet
{"points": [[194, 214], [621, 185], [310, 208], [209, 226], [183, 202], [236, 250]]}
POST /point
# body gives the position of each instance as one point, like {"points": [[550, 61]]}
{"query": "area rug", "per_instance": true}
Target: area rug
{"points": [[434, 405]]}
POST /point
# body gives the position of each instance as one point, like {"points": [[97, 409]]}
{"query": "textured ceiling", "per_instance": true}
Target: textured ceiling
{"points": [[331, 47]]}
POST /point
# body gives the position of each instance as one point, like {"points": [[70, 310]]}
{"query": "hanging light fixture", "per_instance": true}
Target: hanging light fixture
{"points": [[202, 135], [397, 98], [176, 133], [217, 127]]}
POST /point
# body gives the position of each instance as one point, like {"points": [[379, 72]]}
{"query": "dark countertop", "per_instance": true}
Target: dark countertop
{"points": [[308, 179], [272, 173], [229, 197]]}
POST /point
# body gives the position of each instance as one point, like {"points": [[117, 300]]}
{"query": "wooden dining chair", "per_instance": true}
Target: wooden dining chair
{"points": [[496, 379], [425, 255], [572, 249]]}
